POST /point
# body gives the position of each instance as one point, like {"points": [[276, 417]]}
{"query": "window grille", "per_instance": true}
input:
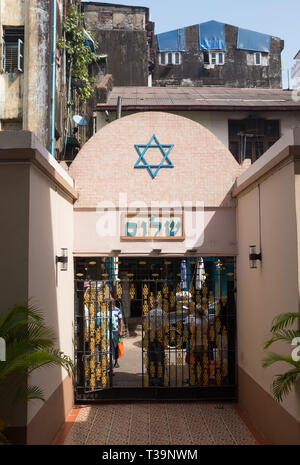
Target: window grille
{"points": [[13, 49]]}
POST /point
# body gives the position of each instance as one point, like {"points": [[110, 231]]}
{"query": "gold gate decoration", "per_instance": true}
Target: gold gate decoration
{"points": [[96, 335], [189, 356], [206, 363]]}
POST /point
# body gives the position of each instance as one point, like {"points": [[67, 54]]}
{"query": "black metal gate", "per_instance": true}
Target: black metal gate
{"points": [[188, 319]]}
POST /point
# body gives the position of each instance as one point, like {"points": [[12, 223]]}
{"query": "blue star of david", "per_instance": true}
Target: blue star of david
{"points": [[165, 150]]}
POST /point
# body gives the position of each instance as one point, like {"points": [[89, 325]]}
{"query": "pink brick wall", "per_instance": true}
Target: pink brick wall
{"points": [[204, 169]]}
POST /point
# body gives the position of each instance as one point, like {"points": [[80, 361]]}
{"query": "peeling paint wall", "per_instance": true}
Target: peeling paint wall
{"points": [[26, 96], [36, 69], [121, 34], [11, 87]]}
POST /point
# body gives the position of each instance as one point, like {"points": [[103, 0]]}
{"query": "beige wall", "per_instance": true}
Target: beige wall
{"points": [[50, 229], [14, 219], [36, 211], [216, 236], [273, 287]]}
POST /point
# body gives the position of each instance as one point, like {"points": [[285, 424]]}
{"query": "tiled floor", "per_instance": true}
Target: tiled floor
{"points": [[145, 423]]}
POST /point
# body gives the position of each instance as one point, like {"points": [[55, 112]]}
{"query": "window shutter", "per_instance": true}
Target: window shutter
{"points": [[20, 55], [3, 55]]}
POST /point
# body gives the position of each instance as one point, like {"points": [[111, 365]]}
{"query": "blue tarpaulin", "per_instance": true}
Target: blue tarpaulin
{"points": [[255, 41], [212, 36], [172, 41]]}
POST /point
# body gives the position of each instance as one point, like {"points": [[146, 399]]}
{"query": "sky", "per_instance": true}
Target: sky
{"points": [[280, 18]]}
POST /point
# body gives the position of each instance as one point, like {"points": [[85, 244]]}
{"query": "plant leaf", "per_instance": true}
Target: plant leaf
{"points": [[283, 384], [283, 320]]}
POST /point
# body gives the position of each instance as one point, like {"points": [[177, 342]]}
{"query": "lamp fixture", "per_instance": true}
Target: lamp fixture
{"points": [[63, 259], [191, 251], [253, 256], [156, 251], [116, 252]]}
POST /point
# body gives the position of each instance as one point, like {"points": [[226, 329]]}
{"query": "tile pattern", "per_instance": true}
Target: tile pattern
{"points": [[173, 423]]}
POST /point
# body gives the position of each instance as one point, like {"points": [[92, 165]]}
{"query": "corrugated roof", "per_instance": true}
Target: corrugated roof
{"points": [[199, 98]]}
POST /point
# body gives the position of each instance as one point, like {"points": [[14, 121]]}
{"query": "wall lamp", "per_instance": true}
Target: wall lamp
{"points": [[253, 256], [63, 259], [116, 252], [191, 251]]}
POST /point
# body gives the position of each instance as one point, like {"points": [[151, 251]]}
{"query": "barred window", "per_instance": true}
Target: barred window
{"points": [[169, 58], [13, 49]]}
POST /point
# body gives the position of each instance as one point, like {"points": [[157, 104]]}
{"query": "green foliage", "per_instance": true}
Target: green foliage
{"points": [[283, 383], [79, 55], [29, 346]]}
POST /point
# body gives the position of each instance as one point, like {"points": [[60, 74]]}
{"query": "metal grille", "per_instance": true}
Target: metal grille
{"points": [[11, 58], [93, 344], [187, 312], [185, 344]]}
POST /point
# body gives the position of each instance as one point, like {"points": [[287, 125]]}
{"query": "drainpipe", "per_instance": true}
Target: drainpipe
{"points": [[119, 108], [53, 77]]}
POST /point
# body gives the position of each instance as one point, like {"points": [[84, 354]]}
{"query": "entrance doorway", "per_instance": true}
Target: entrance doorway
{"points": [[179, 319]]}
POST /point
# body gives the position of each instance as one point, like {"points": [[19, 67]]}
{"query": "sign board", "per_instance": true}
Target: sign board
{"points": [[152, 226]]}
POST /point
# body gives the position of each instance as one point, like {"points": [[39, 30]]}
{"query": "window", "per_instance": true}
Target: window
{"points": [[13, 49], [170, 58], [206, 58], [214, 58], [11, 125], [251, 137], [257, 58], [221, 58]]}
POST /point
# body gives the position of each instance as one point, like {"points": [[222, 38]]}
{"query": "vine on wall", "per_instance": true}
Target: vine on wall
{"points": [[79, 54]]}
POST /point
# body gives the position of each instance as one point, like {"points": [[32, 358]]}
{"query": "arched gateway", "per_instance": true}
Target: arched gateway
{"points": [[155, 229]]}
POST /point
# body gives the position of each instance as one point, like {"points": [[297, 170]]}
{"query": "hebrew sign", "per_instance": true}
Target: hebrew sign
{"points": [[152, 226]]}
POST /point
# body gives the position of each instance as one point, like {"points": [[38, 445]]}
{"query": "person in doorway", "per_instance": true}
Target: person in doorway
{"points": [[157, 327], [117, 331]]}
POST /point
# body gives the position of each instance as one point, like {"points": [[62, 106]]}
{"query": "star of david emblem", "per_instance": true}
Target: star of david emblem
{"points": [[165, 150]]}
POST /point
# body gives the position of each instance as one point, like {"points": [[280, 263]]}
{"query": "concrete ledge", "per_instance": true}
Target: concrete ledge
{"points": [[27, 140], [276, 425], [25, 154]]}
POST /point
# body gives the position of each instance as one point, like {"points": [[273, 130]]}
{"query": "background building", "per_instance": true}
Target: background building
{"points": [[217, 54], [124, 34], [295, 73], [210, 53]]}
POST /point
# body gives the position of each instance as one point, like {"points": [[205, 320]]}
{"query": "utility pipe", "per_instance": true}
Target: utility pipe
{"points": [[119, 108], [53, 77]]}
